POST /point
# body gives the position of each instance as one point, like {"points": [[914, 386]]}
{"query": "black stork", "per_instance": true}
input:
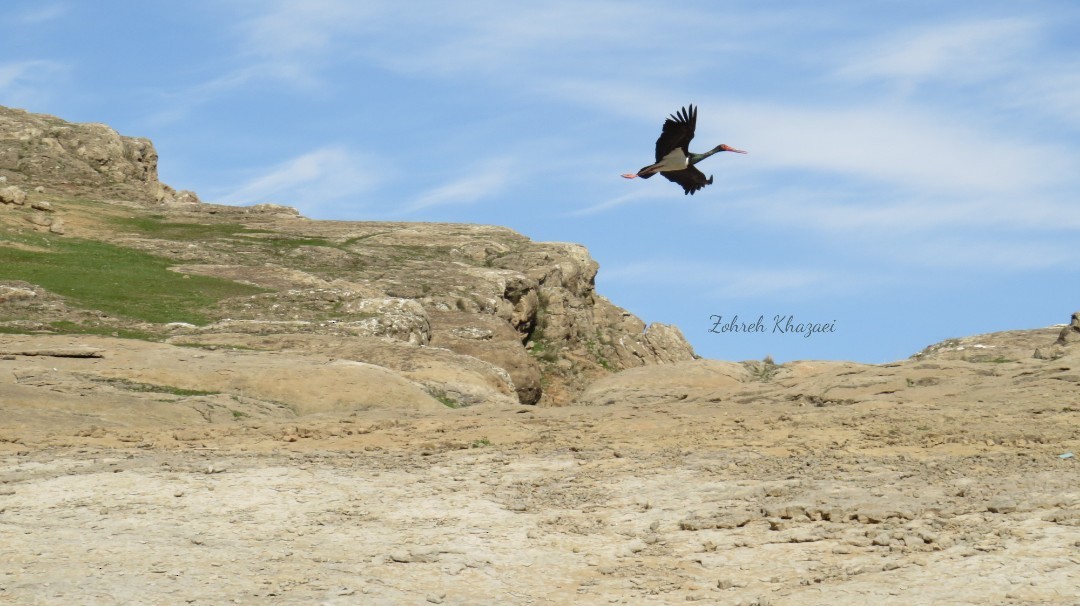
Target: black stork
{"points": [[673, 157]]}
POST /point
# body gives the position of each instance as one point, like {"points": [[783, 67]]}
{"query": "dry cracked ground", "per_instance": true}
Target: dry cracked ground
{"points": [[937, 480]]}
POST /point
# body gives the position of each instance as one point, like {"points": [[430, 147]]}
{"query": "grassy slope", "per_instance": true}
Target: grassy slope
{"points": [[112, 279]]}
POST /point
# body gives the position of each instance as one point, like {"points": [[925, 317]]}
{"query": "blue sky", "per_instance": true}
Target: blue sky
{"points": [[913, 169]]}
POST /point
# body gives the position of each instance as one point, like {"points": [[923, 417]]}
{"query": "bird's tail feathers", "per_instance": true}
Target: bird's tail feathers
{"points": [[645, 173]]}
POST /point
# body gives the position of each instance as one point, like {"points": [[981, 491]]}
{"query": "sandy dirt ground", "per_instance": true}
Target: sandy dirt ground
{"points": [[719, 503]]}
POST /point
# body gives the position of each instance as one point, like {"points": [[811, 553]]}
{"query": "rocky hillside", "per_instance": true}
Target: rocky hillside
{"points": [[92, 243]]}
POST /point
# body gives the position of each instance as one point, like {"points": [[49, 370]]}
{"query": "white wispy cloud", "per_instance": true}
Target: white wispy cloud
{"points": [[904, 146], [1011, 60], [840, 211], [285, 43], [298, 45], [311, 180], [286, 29], [616, 202], [479, 183], [963, 51], [972, 250], [27, 83], [997, 235], [11, 73], [1052, 90], [770, 282], [489, 37], [513, 41], [724, 281], [40, 14]]}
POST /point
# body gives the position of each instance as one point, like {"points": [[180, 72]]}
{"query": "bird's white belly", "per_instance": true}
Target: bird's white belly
{"points": [[675, 160]]}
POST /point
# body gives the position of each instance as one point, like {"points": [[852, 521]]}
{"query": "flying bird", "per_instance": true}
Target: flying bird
{"points": [[674, 159]]}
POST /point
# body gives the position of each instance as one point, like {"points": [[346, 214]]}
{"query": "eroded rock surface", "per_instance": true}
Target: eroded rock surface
{"points": [[954, 496]]}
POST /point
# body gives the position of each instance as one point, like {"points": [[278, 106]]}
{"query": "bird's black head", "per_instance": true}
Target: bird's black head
{"points": [[695, 158], [727, 148]]}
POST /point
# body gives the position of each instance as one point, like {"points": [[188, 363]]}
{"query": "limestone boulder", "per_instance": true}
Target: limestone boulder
{"points": [[13, 195]]}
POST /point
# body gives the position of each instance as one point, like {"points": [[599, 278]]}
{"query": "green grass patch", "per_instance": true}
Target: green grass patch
{"points": [[66, 327], [543, 350], [115, 280], [127, 385], [156, 227], [105, 330], [284, 243], [446, 400], [411, 252], [593, 346], [763, 371], [992, 360]]}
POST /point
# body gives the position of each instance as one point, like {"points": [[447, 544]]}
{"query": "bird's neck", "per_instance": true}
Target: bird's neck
{"points": [[695, 158]]}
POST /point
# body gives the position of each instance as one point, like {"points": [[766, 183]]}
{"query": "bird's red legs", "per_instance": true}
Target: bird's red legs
{"points": [[629, 176]]}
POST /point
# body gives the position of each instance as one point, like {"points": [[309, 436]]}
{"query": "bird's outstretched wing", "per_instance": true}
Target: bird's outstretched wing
{"points": [[691, 179], [678, 131]]}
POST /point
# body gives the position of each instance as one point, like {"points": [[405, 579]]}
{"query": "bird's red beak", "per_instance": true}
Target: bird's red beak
{"points": [[731, 149]]}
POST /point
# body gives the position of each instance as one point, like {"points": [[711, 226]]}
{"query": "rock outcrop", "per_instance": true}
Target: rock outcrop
{"points": [[1066, 340], [1002, 346], [38, 150], [1070, 335]]}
